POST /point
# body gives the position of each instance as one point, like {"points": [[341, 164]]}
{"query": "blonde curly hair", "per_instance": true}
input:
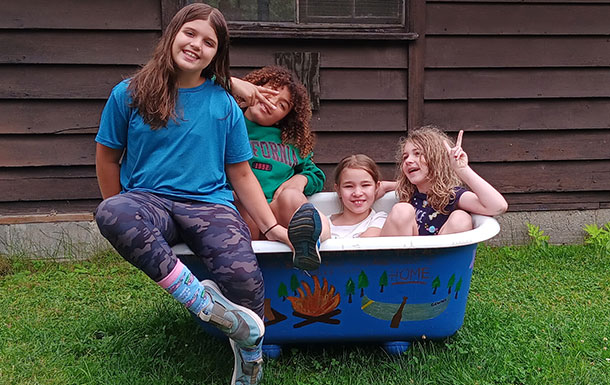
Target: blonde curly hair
{"points": [[295, 126], [443, 180]]}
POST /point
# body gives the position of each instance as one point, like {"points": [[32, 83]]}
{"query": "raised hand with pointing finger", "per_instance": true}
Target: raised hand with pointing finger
{"points": [[457, 156]]}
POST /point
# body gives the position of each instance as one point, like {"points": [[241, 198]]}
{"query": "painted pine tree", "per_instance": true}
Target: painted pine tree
{"points": [[383, 281], [450, 283], [363, 282], [282, 291], [436, 284], [294, 284], [350, 289], [458, 286]]}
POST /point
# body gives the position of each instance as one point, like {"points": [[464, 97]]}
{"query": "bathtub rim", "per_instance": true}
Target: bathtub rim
{"points": [[484, 228]]}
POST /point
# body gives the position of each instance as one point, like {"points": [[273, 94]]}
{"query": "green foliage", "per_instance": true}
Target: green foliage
{"points": [[537, 236], [598, 238]]}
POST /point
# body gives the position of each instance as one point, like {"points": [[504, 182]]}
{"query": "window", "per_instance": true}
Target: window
{"points": [[315, 13]]}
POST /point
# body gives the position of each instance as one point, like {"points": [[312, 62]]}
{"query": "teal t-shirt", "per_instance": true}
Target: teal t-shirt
{"points": [[186, 159]]}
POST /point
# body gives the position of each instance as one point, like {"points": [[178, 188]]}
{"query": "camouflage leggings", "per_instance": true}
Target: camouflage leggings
{"points": [[143, 226]]}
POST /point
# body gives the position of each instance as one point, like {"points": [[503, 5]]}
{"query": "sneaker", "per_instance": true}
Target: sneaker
{"points": [[240, 324], [248, 368], [304, 233]]}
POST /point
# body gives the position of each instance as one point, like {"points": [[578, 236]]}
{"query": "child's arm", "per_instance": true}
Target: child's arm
{"points": [[385, 186], [251, 196], [107, 168], [483, 198], [312, 173], [251, 93], [308, 179], [371, 232], [375, 226]]}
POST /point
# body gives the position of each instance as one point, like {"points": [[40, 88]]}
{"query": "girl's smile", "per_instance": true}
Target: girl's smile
{"points": [[356, 191], [193, 49]]}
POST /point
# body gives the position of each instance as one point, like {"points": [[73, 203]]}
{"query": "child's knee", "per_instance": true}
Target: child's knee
{"points": [[460, 220], [291, 198], [402, 211]]}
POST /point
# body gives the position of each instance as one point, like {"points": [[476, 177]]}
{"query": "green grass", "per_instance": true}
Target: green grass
{"points": [[535, 315]]}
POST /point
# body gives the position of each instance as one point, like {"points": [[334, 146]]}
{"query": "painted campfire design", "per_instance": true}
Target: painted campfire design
{"points": [[400, 312], [317, 306], [321, 303]]}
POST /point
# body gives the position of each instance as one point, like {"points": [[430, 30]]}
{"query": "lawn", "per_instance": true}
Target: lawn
{"points": [[535, 315]]}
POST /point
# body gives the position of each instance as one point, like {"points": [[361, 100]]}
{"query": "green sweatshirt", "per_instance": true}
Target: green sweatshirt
{"points": [[274, 163]]}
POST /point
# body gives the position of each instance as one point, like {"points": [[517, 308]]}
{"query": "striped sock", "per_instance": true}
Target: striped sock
{"points": [[186, 288]]}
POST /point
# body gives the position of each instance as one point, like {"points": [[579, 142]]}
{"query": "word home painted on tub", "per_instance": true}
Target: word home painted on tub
{"points": [[410, 276]]}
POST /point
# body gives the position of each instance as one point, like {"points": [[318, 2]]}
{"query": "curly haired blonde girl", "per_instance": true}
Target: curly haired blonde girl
{"points": [[442, 177]]}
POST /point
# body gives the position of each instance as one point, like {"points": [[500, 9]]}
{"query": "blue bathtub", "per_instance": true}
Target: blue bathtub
{"points": [[386, 290]]}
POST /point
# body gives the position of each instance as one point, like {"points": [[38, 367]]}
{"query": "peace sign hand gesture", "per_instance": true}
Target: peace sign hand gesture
{"points": [[251, 93], [457, 157]]}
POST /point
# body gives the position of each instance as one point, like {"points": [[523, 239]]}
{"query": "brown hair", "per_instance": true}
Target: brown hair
{"points": [[358, 161], [154, 88], [295, 126], [443, 180]]}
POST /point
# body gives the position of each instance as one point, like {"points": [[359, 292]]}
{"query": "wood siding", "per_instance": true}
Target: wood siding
{"points": [[58, 64], [529, 82]]}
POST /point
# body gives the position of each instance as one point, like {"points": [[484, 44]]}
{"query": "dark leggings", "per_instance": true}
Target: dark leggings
{"points": [[143, 226]]}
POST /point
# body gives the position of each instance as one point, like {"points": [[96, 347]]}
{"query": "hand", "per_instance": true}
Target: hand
{"points": [[384, 187], [251, 93], [457, 157], [297, 182]]}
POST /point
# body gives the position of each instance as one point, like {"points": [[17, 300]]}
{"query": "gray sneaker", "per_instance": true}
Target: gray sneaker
{"points": [[248, 368], [240, 324], [304, 232]]}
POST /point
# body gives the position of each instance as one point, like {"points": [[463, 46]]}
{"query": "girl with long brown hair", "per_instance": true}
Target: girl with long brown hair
{"points": [[170, 141]]}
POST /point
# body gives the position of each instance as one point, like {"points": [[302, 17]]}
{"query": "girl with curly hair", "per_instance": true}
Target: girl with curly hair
{"points": [[282, 143], [430, 173]]}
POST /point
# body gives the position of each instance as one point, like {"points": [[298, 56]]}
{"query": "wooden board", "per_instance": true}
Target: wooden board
{"points": [[48, 183], [524, 114], [334, 54], [521, 51], [32, 116], [24, 81], [58, 47], [517, 17], [75, 14], [517, 83]]}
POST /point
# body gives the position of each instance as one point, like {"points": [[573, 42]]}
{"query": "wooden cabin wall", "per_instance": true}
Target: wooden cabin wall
{"points": [[60, 64], [363, 95], [529, 82], [59, 61]]}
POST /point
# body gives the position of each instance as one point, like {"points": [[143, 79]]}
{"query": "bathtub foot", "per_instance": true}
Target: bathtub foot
{"points": [[395, 348], [272, 352]]}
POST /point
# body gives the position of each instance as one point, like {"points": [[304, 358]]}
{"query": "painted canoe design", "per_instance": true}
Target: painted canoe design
{"points": [[400, 312]]}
